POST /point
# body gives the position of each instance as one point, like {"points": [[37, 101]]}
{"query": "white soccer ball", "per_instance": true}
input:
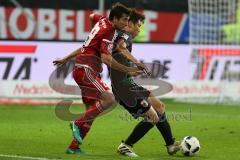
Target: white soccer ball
{"points": [[190, 146]]}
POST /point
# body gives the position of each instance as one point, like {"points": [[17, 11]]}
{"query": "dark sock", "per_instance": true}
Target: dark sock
{"points": [[165, 129], [138, 132]]}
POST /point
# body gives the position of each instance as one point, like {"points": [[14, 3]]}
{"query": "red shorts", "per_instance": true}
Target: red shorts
{"points": [[90, 84]]}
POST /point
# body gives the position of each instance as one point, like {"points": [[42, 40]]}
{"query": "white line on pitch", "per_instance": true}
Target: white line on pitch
{"points": [[25, 157]]}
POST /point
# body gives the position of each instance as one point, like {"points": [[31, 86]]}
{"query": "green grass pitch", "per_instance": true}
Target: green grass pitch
{"points": [[35, 131]]}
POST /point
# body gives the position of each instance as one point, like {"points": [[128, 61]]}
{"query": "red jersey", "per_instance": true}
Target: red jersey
{"points": [[100, 40]]}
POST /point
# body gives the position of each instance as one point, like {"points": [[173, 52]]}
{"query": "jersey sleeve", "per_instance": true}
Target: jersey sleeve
{"points": [[107, 45], [96, 17], [124, 36], [121, 39]]}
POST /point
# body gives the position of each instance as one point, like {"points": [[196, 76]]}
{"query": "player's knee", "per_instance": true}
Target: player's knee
{"points": [[161, 108], [152, 116], [155, 119]]}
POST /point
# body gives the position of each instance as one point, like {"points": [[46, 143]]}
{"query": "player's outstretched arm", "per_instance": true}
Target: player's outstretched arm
{"points": [[112, 63], [121, 47], [60, 62]]}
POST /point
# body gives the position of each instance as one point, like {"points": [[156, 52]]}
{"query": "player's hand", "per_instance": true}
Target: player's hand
{"points": [[147, 72], [59, 62], [141, 66]]}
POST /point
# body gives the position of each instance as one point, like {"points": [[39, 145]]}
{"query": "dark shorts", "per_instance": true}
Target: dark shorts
{"points": [[133, 99]]}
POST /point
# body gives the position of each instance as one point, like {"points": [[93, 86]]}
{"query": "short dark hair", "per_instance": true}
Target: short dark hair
{"points": [[135, 16], [118, 10]]}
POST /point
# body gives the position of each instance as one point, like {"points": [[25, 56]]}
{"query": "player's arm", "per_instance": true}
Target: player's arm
{"points": [[112, 63], [106, 49], [94, 18], [121, 48], [60, 62]]}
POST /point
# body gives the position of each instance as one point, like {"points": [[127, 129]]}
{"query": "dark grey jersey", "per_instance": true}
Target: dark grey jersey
{"points": [[127, 93], [119, 78]]}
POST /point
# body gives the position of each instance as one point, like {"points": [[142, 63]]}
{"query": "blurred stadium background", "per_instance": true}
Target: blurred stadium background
{"points": [[197, 42]]}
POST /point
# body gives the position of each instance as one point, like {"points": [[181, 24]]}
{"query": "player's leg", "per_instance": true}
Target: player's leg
{"points": [[88, 103], [74, 148], [144, 126], [150, 118], [99, 107], [164, 126], [82, 127], [92, 87], [156, 103]]}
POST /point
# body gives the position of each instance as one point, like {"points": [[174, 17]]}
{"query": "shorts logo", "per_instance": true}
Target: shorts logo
{"points": [[144, 103]]}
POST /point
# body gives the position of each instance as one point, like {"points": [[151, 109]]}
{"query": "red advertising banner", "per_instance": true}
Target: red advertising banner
{"points": [[61, 24]]}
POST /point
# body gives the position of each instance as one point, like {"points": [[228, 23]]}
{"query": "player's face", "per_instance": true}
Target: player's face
{"points": [[135, 28], [121, 22]]}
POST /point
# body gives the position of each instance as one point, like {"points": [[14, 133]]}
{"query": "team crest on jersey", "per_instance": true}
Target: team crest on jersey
{"points": [[110, 47], [125, 36]]}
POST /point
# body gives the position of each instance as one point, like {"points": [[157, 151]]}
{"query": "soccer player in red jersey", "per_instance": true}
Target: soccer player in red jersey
{"points": [[96, 50]]}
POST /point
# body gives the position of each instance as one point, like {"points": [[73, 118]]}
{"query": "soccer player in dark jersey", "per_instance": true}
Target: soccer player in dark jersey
{"points": [[137, 100], [97, 49]]}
